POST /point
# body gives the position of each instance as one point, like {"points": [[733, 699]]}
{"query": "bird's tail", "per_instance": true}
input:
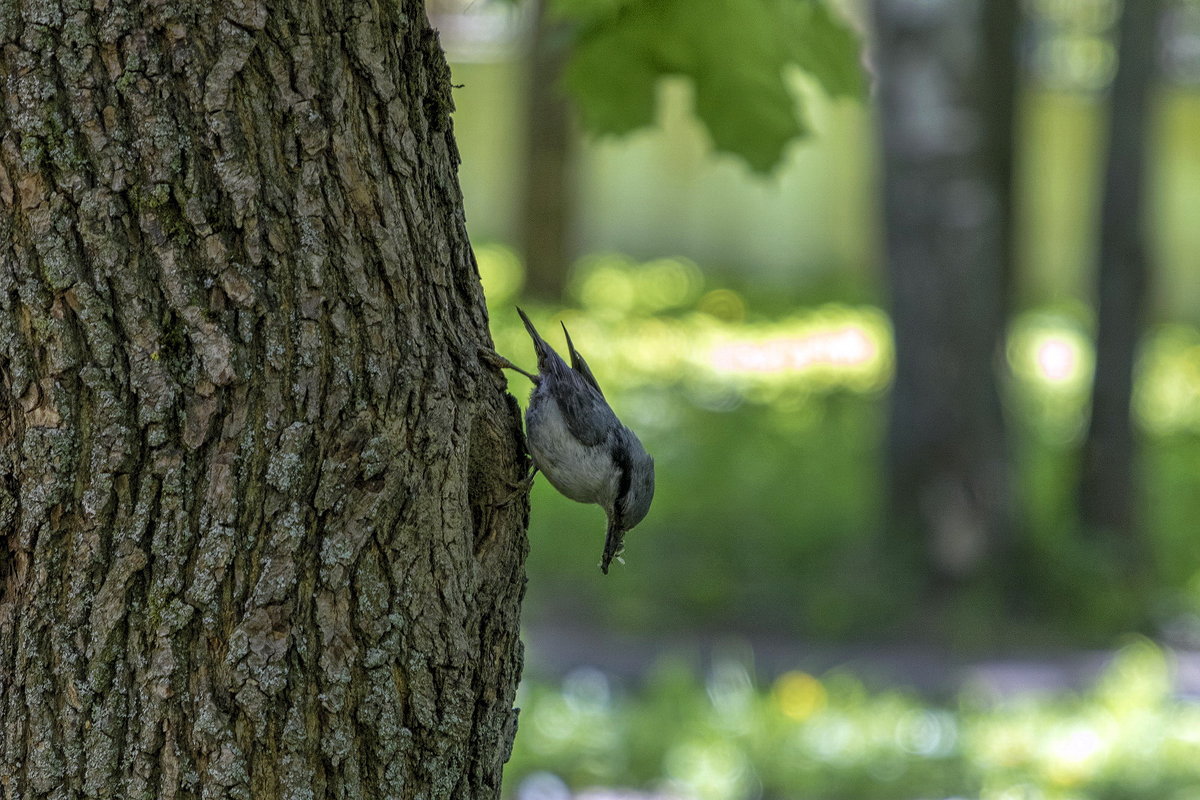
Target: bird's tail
{"points": [[544, 352], [614, 545]]}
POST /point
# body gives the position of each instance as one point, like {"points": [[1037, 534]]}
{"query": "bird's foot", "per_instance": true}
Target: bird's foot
{"points": [[494, 359], [519, 487]]}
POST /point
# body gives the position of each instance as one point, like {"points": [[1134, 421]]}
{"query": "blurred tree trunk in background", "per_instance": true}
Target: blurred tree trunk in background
{"points": [[1107, 489], [250, 463], [946, 73], [548, 193], [1000, 90]]}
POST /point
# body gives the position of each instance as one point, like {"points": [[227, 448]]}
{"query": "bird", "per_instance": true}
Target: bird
{"points": [[577, 442]]}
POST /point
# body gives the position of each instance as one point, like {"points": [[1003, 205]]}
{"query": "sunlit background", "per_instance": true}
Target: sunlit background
{"points": [[756, 644]]}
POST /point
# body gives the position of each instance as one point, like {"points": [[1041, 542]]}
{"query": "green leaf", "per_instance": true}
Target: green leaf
{"points": [[749, 114], [612, 76], [736, 52], [827, 48], [742, 97], [586, 11]]}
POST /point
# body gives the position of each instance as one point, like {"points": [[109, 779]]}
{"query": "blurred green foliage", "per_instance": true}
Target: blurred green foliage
{"points": [[829, 737], [767, 435], [736, 54]]}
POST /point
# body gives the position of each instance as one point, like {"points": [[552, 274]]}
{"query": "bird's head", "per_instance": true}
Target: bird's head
{"points": [[635, 492]]}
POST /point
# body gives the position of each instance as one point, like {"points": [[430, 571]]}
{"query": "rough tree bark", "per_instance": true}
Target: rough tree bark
{"points": [[1107, 491], [249, 460], [944, 82]]}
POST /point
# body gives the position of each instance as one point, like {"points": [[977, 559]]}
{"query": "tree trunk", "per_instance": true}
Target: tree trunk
{"points": [[250, 461], [548, 201], [1107, 491], [947, 210], [1000, 88]]}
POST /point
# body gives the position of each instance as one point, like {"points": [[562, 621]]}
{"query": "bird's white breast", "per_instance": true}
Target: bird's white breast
{"points": [[584, 474]]}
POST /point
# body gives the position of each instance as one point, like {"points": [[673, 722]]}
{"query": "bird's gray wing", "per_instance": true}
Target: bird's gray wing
{"points": [[588, 417], [578, 364]]}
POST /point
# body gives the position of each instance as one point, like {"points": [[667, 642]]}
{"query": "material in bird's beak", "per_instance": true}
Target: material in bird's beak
{"points": [[613, 546]]}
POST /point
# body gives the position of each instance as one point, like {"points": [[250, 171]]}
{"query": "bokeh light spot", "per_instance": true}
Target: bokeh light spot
{"points": [[799, 695], [1058, 359], [723, 304]]}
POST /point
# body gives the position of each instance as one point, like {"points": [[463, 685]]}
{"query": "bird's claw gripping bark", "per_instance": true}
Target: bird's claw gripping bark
{"points": [[494, 359], [519, 487]]}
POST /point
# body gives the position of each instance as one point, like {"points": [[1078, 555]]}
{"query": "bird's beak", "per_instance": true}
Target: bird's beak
{"points": [[613, 545]]}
